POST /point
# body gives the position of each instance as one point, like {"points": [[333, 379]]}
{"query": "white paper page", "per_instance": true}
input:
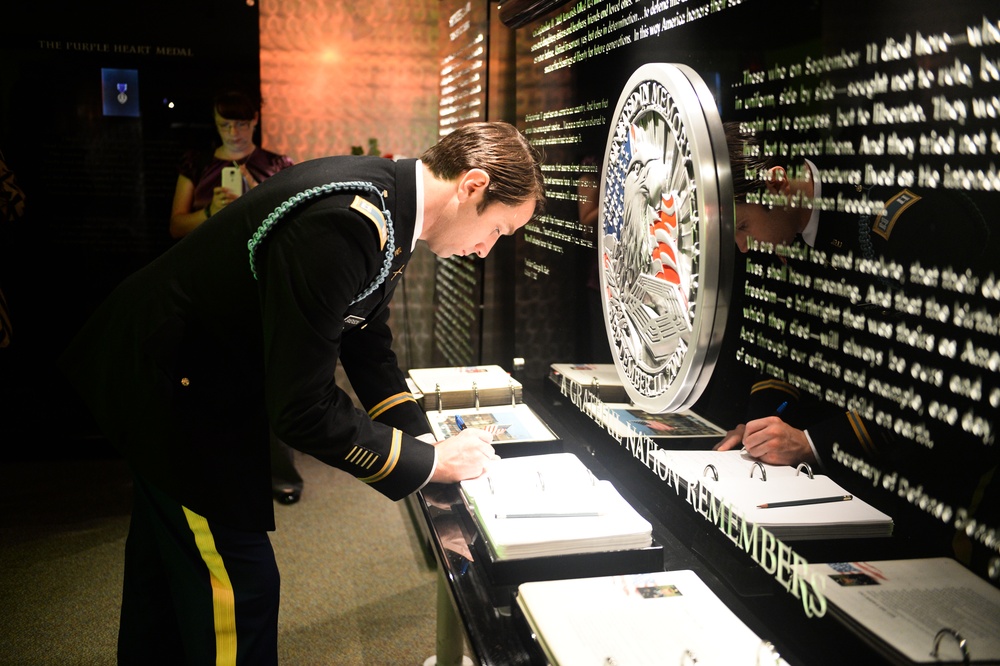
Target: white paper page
{"points": [[746, 494], [906, 603], [643, 619], [609, 523]]}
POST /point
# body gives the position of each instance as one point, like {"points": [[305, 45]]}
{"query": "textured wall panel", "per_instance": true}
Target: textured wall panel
{"points": [[334, 74]]}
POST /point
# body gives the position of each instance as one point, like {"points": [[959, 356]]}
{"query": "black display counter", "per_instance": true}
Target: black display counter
{"points": [[477, 605]]}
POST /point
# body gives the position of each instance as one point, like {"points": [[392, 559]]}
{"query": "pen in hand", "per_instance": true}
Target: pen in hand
{"points": [[777, 412], [802, 502]]}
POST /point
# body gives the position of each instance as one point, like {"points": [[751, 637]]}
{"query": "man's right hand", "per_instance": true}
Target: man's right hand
{"points": [[464, 456]]}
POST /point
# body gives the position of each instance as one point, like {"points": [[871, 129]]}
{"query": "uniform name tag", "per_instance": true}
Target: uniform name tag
{"points": [[353, 320]]}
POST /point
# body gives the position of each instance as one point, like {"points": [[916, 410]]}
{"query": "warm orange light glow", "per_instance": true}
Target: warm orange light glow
{"points": [[334, 74]]}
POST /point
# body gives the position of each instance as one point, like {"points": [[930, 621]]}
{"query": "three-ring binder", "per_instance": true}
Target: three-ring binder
{"points": [[803, 466], [962, 643]]}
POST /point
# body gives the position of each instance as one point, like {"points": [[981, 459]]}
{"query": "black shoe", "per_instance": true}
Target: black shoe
{"points": [[287, 494]]}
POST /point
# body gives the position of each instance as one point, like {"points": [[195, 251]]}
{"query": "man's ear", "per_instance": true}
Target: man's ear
{"points": [[473, 183], [777, 180]]}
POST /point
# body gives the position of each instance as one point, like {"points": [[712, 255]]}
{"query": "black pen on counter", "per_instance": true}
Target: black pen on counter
{"points": [[802, 502]]}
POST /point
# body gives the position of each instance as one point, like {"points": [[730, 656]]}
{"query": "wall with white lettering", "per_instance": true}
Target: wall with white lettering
{"points": [[873, 132]]}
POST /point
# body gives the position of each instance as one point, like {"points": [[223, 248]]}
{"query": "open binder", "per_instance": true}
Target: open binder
{"points": [[790, 503], [918, 611], [550, 504], [482, 396], [665, 617], [627, 420], [600, 379], [464, 386]]}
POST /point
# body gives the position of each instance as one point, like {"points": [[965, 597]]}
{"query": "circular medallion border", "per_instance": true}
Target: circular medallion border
{"points": [[666, 248]]}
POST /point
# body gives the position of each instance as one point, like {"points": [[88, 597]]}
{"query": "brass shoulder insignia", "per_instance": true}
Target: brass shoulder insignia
{"points": [[894, 207], [367, 209]]}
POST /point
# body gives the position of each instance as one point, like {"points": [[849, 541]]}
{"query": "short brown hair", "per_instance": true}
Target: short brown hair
{"points": [[235, 105], [747, 161], [499, 149]]}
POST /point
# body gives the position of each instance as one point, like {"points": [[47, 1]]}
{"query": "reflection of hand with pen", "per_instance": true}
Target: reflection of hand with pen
{"points": [[770, 440]]}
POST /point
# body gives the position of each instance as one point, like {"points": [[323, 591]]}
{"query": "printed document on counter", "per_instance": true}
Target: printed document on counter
{"points": [[913, 606]]}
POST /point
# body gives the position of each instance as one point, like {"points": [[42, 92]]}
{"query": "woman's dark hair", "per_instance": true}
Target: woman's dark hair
{"points": [[499, 149], [235, 105]]}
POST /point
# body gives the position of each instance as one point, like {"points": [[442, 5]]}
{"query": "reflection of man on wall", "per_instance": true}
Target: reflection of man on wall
{"points": [[935, 229], [938, 229]]}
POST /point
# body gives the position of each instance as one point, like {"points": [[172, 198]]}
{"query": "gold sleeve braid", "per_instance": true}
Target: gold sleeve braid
{"points": [[389, 403], [775, 385], [390, 461], [861, 432]]}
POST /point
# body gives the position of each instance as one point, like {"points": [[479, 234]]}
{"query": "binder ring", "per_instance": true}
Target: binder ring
{"points": [[763, 472], [475, 393], [962, 643], [513, 401], [715, 472], [595, 384], [688, 658], [809, 470], [437, 389]]}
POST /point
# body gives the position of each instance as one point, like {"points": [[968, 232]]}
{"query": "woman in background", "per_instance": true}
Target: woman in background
{"points": [[199, 193]]}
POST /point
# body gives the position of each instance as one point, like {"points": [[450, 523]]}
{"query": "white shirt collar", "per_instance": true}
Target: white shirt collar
{"points": [[812, 227], [418, 225]]}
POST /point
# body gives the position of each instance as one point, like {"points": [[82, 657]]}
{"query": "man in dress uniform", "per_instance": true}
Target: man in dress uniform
{"points": [[238, 328]]}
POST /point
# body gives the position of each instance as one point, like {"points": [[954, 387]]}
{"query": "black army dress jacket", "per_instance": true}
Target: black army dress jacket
{"points": [[192, 358]]}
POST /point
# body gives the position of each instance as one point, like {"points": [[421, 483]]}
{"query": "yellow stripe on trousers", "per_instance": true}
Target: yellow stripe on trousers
{"points": [[223, 598]]}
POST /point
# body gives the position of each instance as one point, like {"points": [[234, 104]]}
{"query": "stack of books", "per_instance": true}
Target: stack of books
{"points": [[464, 386], [601, 379]]}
